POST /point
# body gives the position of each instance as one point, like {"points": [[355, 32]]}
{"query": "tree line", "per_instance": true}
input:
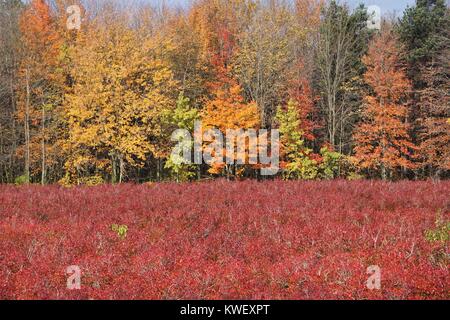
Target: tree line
{"points": [[99, 104]]}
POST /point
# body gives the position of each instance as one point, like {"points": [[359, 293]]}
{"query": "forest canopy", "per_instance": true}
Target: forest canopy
{"points": [[98, 103]]}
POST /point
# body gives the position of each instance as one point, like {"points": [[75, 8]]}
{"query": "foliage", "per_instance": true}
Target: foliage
{"points": [[441, 233], [23, 179], [434, 133], [42, 81], [265, 55], [382, 139], [422, 30], [342, 42], [96, 104], [114, 109], [299, 163], [331, 162], [183, 117], [121, 230], [313, 240], [229, 111]]}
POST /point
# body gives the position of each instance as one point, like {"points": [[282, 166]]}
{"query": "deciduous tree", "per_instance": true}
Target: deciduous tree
{"points": [[382, 138], [10, 53], [41, 85], [114, 109], [342, 43], [299, 161], [228, 111]]}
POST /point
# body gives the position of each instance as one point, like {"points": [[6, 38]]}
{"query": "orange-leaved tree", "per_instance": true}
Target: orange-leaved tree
{"points": [[382, 140], [229, 111], [41, 86]]}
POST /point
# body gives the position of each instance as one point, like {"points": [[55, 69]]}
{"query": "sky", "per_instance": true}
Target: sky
{"points": [[386, 6]]}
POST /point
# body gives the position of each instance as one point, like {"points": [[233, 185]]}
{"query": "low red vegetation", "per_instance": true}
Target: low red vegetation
{"points": [[221, 240]]}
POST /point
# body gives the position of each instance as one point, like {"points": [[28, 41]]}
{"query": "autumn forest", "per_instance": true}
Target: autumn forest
{"points": [[224, 150], [98, 104]]}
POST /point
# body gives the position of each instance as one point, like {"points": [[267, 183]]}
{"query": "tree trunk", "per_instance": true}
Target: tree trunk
{"points": [[43, 169], [383, 145], [158, 169], [114, 168], [383, 172], [13, 128], [121, 168], [27, 127]]}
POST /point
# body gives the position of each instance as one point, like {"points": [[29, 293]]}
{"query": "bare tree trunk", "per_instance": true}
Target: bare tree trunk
{"points": [[114, 168], [383, 172], [43, 169], [383, 146], [13, 127], [158, 169], [121, 168], [27, 127]]}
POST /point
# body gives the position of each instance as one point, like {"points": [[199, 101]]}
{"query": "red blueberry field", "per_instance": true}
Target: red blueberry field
{"points": [[227, 240]]}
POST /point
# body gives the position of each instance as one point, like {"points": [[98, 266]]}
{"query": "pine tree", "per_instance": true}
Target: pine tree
{"points": [[434, 122], [422, 30]]}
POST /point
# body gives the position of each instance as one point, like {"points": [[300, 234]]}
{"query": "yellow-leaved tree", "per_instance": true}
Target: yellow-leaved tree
{"points": [[114, 107]]}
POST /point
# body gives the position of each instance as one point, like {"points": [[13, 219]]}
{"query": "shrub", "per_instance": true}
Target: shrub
{"points": [[20, 180], [330, 166], [121, 230], [441, 233], [225, 240]]}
